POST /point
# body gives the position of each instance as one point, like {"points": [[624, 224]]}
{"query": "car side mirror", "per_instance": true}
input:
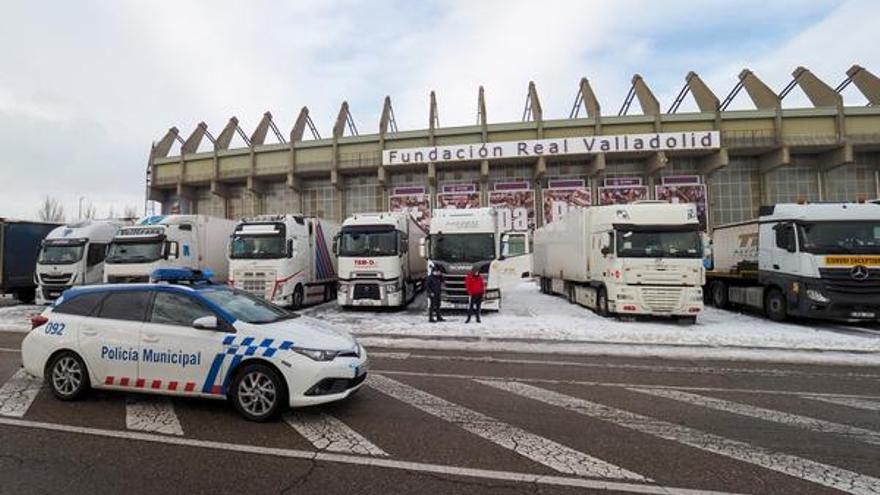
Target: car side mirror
{"points": [[205, 323]]}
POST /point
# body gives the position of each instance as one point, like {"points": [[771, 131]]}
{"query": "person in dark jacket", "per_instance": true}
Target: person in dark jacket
{"points": [[476, 287], [434, 286]]}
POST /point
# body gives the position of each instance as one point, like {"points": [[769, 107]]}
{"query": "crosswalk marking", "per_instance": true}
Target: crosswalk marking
{"points": [[151, 413], [18, 393], [328, 433], [816, 472], [537, 448], [788, 419], [854, 402]]}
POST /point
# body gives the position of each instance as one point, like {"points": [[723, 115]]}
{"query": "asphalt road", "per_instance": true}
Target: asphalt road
{"points": [[439, 422]]}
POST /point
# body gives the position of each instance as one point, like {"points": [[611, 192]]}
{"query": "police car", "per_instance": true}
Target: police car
{"points": [[187, 337]]}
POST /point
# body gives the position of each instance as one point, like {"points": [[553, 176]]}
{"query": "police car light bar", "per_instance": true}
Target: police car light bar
{"points": [[181, 275]]}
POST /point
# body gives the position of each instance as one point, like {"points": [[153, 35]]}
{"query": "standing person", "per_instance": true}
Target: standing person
{"points": [[434, 285], [476, 287]]}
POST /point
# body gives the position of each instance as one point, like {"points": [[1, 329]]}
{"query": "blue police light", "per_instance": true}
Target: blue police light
{"points": [[181, 275]]}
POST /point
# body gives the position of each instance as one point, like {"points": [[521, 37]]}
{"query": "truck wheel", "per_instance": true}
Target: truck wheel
{"points": [[775, 306], [258, 393], [67, 376], [602, 303], [26, 296], [719, 295], [298, 297], [571, 295], [544, 284]]}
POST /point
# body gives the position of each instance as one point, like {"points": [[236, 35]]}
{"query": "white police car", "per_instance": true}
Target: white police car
{"points": [[191, 338]]}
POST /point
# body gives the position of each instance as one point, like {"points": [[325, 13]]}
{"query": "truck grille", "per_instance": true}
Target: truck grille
{"points": [[128, 279], [366, 291], [840, 280], [56, 278], [661, 299], [454, 289], [256, 283]]}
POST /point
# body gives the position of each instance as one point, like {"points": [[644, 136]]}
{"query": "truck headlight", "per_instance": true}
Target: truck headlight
{"points": [[316, 354], [622, 296], [392, 287], [493, 294], [817, 296], [342, 288]]}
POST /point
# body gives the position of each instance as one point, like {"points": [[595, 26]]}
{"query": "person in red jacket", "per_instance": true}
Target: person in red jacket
{"points": [[476, 287]]}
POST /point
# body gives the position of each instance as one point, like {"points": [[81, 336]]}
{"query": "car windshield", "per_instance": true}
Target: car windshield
{"points": [[659, 244], [134, 252], [840, 237], [368, 242], [466, 248], [60, 255], [247, 308], [257, 246]]}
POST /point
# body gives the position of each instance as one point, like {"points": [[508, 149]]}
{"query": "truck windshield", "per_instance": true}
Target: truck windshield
{"points": [[60, 255], [856, 237], [467, 248], [257, 246], [659, 244], [360, 241], [134, 252]]}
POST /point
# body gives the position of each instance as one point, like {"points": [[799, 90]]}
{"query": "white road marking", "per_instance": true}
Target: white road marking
{"points": [[537, 448], [328, 433], [488, 474], [798, 467], [872, 404], [151, 413], [788, 419], [18, 393], [620, 384], [9, 349]]}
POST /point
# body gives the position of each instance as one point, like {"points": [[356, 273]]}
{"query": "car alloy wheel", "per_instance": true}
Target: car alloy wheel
{"points": [[67, 376], [258, 393]]}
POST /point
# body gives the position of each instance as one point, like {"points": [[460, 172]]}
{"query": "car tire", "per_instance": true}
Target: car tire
{"points": [[775, 305], [258, 393], [298, 297], [67, 376]]}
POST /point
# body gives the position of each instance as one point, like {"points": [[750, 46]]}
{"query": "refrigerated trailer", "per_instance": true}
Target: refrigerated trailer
{"points": [[379, 262], [286, 259], [809, 260], [19, 247], [644, 258]]}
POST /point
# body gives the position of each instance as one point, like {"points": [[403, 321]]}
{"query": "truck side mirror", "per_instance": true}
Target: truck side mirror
{"points": [[171, 250], [289, 248], [423, 247], [336, 244], [605, 251]]}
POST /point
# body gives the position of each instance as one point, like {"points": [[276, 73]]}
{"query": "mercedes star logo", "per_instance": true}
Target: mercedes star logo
{"points": [[859, 272]]}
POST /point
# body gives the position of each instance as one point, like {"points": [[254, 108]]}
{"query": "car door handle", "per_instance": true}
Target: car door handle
{"points": [[776, 267], [151, 339], [90, 333]]}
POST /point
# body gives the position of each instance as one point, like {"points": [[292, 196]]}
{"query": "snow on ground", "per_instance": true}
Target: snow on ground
{"points": [[533, 322], [15, 317]]}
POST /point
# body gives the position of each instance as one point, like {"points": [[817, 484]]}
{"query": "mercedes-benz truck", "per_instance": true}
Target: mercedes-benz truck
{"points": [[286, 259], [73, 254], [379, 261], [461, 239], [802, 260], [197, 242], [644, 258]]}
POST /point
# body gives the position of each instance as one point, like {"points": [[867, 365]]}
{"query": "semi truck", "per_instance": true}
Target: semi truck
{"points": [[818, 260], [286, 259], [462, 239], [197, 242], [73, 254], [19, 247], [379, 262], [644, 258]]}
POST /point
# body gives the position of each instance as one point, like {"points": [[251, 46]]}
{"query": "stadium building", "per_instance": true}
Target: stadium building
{"points": [[728, 162]]}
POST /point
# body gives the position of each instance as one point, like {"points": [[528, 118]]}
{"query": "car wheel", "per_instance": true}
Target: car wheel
{"points": [[719, 295], [298, 297], [67, 376], [258, 393], [774, 305]]}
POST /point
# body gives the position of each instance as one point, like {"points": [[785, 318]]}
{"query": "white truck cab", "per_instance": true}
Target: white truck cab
{"points": [[285, 259], [73, 254], [644, 258], [379, 262], [460, 239], [197, 242]]}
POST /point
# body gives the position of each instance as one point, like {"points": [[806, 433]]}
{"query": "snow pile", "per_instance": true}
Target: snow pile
{"points": [[16, 318]]}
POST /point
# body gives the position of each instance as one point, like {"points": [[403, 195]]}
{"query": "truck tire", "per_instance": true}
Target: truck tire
{"points": [[718, 294], [602, 303], [298, 297], [26, 296], [775, 306], [545, 285]]}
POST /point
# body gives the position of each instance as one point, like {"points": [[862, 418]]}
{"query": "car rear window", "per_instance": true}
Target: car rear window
{"points": [[82, 305], [127, 305]]}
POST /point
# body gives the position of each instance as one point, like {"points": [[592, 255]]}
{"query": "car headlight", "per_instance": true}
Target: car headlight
{"points": [[315, 354], [817, 296]]}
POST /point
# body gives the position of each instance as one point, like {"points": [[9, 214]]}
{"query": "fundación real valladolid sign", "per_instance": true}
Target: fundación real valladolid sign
{"points": [[625, 143]]}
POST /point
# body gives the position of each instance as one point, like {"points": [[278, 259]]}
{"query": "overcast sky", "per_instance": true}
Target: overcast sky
{"points": [[86, 86]]}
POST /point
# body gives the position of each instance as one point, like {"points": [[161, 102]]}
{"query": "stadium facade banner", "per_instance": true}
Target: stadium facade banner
{"points": [[621, 195], [413, 200], [515, 202], [587, 145], [557, 201]]}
